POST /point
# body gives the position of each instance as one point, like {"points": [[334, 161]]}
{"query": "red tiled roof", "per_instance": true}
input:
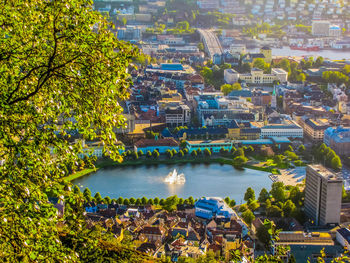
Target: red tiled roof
{"points": [[154, 230], [197, 79], [214, 247]]}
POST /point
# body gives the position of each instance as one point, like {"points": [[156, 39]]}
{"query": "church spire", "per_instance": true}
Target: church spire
{"points": [[274, 98]]}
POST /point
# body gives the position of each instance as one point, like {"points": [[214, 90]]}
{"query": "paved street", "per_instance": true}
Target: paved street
{"points": [[211, 42]]}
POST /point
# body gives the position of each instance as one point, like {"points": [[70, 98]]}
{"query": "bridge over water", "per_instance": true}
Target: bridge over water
{"points": [[211, 42]]}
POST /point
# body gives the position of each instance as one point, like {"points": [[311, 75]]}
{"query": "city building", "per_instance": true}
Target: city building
{"points": [[217, 59], [305, 245], [256, 76], [338, 139], [320, 28], [323, 194], [177, 114], [161, 145], [214, 110], [314, 128], [343, 237], [204, 133], [154, 233], [208, 4], [209, 207], [280, 74], [177, 68], [214, 146], [129, 33], [261, 97], [242, 131], [224, 119], [267, 52], [238, 49], [287, 238], [287, 128], [231, 76], [335, 31]]}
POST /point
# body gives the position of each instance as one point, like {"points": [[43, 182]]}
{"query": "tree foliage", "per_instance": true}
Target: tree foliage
{"points": [[207, 152], [327, 156], [261, 64], [248, 216], [264, 194], [227, 88], [336, 163], [278, 192], [249, 194], [335, 77], [170, 203], [62, 70], [294, 70]]}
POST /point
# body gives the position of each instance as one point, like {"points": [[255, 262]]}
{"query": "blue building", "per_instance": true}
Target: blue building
{"points": [[213, 146], [90, 207], [171, 66], [209, 207], [217, 59], [338, 139]]}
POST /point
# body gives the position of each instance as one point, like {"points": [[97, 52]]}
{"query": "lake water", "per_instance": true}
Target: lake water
{"points": [[286, 51], [201, 180]]}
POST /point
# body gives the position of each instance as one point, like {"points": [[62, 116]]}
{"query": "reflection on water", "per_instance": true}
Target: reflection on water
{"points": [[174, 189], [201, 180]]}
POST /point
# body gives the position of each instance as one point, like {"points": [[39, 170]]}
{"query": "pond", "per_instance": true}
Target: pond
{"points": [[201, 180]]}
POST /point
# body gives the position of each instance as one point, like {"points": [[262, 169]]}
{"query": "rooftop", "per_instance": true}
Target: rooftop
{"points": [[160, 142], [287, 124], [324, 172], [209, 142], [256, 142], [345, 233], [298, 237], [232, 71], [317, 124], [339, 134], [279, 140], [278, 70]]}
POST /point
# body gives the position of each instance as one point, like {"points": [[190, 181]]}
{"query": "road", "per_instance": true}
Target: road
{"points": [[211, 42]]}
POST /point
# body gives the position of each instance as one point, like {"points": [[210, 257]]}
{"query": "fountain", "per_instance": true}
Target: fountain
{"points": [[175, 178]]}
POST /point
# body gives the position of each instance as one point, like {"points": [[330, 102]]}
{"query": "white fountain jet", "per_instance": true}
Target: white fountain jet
{"points": [[175, 178]]}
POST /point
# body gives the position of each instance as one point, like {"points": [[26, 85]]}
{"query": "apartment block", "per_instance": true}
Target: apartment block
{"points": [[315, 128], [323, 193]]}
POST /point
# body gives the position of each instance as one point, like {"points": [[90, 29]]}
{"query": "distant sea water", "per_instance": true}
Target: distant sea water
{"points": [[325, 53]]}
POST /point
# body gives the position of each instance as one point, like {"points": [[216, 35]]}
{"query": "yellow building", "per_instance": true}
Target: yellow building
{"points": [[256, 76], [267, 52], [243, 131], [170, 95], [314, 128], [233, 133]]}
